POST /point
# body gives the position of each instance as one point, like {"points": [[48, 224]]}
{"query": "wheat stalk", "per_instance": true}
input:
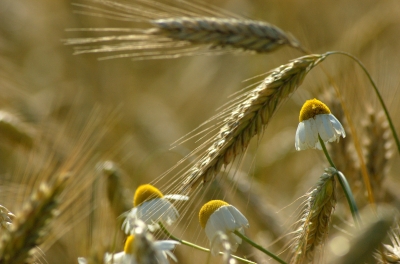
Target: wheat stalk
{"points": [[171, 35], [314, 222], [29, 227], [248, 118]]}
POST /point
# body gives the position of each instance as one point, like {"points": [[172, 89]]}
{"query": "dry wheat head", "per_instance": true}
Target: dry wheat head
{"points": [[314, 223], [248, 118], [30, 225]]}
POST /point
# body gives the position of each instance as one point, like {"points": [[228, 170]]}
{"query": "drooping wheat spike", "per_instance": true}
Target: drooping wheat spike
{"points": [[378, 150], [30, 225], [248, 118], [314, 223], [251, 35], [175, 32], [116, 192]]}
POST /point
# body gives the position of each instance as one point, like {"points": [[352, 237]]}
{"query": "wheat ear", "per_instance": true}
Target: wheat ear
{"points": [[314, 223], [30, 225], [248, 118], [378, 149], [172, 33], [243, 34]]}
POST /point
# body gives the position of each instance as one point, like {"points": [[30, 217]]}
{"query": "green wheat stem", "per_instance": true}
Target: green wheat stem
{"points": [[328, 157], [345, 186], [187, 243], [350, 198], [257, 246], [378, 94]]}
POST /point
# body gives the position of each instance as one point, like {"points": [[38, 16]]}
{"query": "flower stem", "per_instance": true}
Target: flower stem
{"points": [[345, 186], [184, 242], [378, 94], [350, 198], [326, 152], [251, 242]]}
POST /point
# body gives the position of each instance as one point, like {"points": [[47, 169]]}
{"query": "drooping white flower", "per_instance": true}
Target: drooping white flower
{"points": [[152, 207], [316, 120], [218, 216], [140, 247]]}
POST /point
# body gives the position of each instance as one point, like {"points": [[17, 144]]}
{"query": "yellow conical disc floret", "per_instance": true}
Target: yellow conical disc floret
{"points": [[145, 193], [312, 108], [208, 209], [128, 248]]}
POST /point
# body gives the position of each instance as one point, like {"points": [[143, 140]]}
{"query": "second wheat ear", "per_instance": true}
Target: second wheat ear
{"points": [[248, 118]]}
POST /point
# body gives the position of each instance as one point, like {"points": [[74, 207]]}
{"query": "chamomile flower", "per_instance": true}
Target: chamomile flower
{"points": [[316, 119], [219, 216], [140, 247], [152, 207]]}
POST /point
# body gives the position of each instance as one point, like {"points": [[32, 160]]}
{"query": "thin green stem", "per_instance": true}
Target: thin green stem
{"points": [[257, 246], [378, 94], [345, 186], [350, 198], [184, 242], [326, 152]]}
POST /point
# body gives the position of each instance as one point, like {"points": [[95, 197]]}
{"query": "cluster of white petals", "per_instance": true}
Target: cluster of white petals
{"points": [[152, 212], [324, 125], [226, 219]]}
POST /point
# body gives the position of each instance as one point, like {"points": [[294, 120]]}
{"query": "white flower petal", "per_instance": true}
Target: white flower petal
{"points": [[314, 128], [119, 258], [240, 219], [215, 245], [318, 145], [324, 125], [337, 126], [161, 257], [166, 244], [225, 219], [171, 255], [214, 224], [82, 260], [157, 210], [320, 128], [130, 218], [151, 212], [234, 240], [300, 138], [311, 133], [228, 221]]}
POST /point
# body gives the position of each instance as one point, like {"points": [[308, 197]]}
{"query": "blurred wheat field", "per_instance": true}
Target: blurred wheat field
{"points": [[69, 114]]}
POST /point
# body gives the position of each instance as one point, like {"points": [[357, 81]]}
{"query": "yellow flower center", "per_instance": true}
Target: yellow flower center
{"points": [[311, 108], [208, 209], [128, 248], [145, 193]]}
